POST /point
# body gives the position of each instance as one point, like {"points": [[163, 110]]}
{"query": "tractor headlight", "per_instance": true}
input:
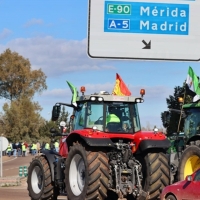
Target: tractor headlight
{"points": [[139, 100], [96, 98], [100, 99], [92, 98]]}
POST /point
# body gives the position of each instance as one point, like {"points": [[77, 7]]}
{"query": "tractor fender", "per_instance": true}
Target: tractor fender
{"points": [[93, 142], [193, 138], [51, 158], [98, 142], [153, 144]]}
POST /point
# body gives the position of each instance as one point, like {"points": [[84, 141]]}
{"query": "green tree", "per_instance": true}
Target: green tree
{"points": [[17, 78], [22, 119], [176, 123], [44, 131]]}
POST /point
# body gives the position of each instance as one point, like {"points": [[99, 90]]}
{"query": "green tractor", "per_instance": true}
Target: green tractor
{"points": [[185, 148]]}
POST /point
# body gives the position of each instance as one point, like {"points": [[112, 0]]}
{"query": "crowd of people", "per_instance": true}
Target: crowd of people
{"points": [[22, 149]]}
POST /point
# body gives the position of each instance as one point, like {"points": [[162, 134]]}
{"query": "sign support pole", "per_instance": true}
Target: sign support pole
{"points": [[1, 156], [3, 147]]}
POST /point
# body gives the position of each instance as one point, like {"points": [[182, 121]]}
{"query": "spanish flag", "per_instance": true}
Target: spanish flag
{"points": [[120, 88]]}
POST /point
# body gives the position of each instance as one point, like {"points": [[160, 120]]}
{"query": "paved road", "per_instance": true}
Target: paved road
{"points": [[11, 164], [11, 169], [18, 192]]}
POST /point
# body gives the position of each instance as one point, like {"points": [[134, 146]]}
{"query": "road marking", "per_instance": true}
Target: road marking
{"points": [[10, 160], [11, 168]]}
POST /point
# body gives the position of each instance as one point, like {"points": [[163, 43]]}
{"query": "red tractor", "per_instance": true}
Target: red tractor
{"points": [[106, 157]]}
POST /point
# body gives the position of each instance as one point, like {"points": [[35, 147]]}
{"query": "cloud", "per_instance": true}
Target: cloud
{"points": [[5, 33], [58, 93], [66, 93], [33, 22], [153, 93], [57, 56]]}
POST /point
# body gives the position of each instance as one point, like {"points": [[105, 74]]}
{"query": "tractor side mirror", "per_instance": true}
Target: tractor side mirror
{"points": [[53, 130], [55, 112], [72, 117], [54, 133], [188, 178]]}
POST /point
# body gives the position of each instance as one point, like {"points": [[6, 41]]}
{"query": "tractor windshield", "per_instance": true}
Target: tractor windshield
{"points": [[108, 117], [192, 122], [121, 117]]}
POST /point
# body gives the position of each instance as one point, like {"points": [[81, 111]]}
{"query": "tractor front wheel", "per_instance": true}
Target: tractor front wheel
{"points": [[40, 186], [190, 161], [87, 174]]}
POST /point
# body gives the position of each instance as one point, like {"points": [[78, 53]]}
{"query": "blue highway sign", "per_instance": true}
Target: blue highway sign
{"points": [[147, 18], [144, 29]]}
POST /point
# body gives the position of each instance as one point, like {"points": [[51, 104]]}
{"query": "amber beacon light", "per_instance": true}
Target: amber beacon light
{"points": [[142, 92]]}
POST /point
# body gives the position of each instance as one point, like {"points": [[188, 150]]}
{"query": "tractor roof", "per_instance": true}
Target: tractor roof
{"points": [[105, 96], [192, 105]]}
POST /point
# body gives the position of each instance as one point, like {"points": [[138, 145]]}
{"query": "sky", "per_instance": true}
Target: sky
{"points": [[52, 34]]}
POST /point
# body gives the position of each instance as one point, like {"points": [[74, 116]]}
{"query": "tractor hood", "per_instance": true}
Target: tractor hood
{"points": [[138, 136], [141, 140]]}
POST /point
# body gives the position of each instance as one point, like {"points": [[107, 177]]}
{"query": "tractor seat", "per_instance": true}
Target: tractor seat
{"points": [[113, 126]]}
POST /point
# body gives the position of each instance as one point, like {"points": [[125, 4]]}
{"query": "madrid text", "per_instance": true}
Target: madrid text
{"points": [[164, 19]]}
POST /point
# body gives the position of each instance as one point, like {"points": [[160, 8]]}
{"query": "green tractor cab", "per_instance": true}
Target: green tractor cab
{"points": [[185, 157]]}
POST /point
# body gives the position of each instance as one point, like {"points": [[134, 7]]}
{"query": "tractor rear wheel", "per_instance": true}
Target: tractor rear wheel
{"points": [[87, 174], [156, 173], [40, 186], [190, 160]]}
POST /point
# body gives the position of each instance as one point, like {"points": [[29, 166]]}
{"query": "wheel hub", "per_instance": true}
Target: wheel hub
{"points": [[37, 179], [77, 174], [191, 165]]}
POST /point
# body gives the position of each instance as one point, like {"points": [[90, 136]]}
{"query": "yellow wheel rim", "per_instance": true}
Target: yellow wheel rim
{"points": [[191, 165]]}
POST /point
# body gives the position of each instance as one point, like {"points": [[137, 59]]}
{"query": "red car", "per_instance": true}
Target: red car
{"points": [[188, 189]]}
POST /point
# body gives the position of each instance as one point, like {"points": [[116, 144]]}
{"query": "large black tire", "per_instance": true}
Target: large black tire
{"points": [[190, 160], [40, 186], [156, 173], [86, 174]]}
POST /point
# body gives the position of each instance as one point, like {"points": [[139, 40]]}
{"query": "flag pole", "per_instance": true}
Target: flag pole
{"points": [[181, 110]]}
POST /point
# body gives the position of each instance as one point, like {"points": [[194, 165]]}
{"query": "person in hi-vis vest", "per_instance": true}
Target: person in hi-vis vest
{"points": [[56, 145], [47, 146], [111, 117], [9, 149], [23, 149]]}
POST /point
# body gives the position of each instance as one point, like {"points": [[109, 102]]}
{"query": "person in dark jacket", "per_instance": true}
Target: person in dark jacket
{"points": [[19, 149], [14, 149]]}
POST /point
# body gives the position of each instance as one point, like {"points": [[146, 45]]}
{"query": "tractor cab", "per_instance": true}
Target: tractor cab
{"points": [[104, 112], [192, 120]]}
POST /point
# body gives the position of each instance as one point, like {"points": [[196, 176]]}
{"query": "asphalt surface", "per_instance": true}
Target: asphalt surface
{"points": [[11, 165], [10, 172]]}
